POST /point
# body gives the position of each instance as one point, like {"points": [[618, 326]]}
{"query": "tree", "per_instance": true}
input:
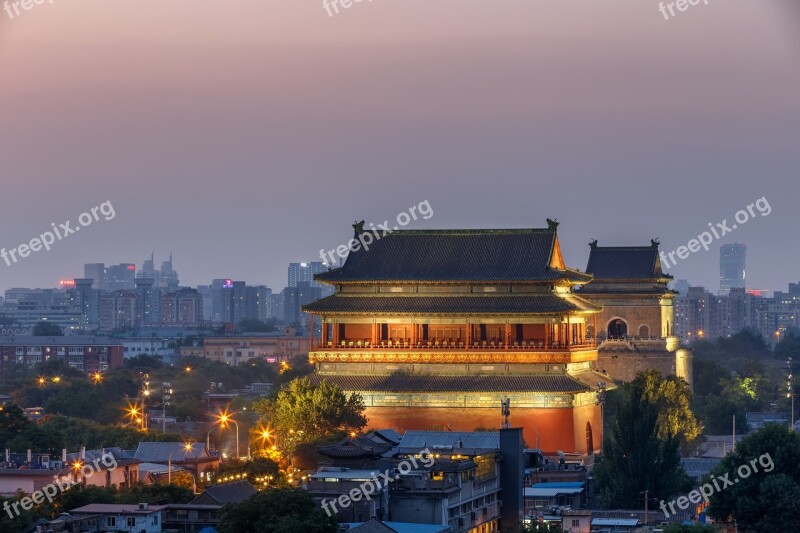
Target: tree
{"points": [[642, 450], [310, 412], [144, 361], [672, 397], [284, 510], [789, 345], [768, 499], [694, 528], [47, 329], [12, 422]]}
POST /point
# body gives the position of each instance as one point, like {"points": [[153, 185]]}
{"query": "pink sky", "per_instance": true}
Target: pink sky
{"points": [[246, 134]]}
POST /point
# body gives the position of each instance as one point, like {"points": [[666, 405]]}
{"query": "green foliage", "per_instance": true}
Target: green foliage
{"points": [[769, 499], [144, 361], [789, 345], [12, 420], [284, 510], [304, 412], [642, 450], [177, 492], [47, 329], [257, 467], [19, 523]]}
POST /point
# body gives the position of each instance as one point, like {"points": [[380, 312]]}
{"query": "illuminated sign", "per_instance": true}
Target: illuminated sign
{"points": [[67, 283], [228, 284], [131, 267]]}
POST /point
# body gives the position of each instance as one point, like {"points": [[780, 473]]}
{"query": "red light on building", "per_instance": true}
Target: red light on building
{"points": [[67, 283], [131, 267]]}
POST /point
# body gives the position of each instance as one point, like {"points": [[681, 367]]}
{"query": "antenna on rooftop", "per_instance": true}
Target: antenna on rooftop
{"points": [[505, 409]]}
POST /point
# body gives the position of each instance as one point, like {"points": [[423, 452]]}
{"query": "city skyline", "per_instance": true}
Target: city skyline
{"points": [[499, 115]]}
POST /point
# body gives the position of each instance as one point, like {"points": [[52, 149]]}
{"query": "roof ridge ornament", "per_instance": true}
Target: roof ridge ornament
{"points": [[655, 242], [358, 227], [552, 225], [593, 243]]}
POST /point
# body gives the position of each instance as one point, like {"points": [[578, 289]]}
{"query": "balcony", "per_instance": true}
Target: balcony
{"points": [[536, 345]]}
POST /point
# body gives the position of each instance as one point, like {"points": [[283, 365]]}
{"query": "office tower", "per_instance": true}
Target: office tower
{"points": [[731, 267], [96, 273], [169, 277], [257, 302], [149, 301], [120, 277], [184, 306], [294, 298], [304, 272]]}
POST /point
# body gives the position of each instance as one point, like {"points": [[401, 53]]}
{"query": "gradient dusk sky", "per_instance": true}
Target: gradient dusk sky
{"points": [[242, 135]]}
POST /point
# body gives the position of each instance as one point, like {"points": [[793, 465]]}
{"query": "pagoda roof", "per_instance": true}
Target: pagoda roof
{"points": [[456, 256], [401, 382], [625, 262], [442, 304], [361, 446]]}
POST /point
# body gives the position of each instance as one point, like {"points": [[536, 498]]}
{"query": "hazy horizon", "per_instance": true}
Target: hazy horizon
{"points": [[246, 136]]}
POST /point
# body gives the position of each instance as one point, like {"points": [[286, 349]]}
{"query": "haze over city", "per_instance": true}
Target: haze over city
{"points": [[240, 151]]}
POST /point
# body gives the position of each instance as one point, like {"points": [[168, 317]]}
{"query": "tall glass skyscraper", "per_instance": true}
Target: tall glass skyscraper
{"points": [[732, 267]]}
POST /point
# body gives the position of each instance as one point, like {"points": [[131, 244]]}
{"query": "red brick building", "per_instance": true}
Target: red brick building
{"points": [[86, 353]]}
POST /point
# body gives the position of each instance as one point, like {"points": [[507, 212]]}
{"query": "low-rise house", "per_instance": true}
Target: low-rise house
{"points": [[191, 518], [330, 483], [542, 496], [141, 518], [235, 492], [197, 460]]}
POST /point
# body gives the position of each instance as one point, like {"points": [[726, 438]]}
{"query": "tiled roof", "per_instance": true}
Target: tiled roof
{"points": [[236, 492], [160, 452], [115, 508], [398, 304], [430, 383], [624, 262], [454, 255], [418, 439], [361, 446]]}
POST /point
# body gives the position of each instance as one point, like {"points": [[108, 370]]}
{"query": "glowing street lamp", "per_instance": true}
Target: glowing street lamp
{"points": [[42, 381], [57, 379], [97, 377], [186, 449]]}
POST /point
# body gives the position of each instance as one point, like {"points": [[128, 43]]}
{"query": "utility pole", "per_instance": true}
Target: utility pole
{"points": [[790, 387], [165, 401]]}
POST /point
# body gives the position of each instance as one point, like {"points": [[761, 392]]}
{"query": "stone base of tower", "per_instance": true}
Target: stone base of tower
{"points": [[622, 359], [571, 430]]}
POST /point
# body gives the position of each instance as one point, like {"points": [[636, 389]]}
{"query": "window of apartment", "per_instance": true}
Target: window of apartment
{"points": [[576, 523], [111, 521], [131, 522]]}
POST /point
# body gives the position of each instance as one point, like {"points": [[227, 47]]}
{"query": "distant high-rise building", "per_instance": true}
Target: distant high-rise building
{"points": [[96, 273], [304, 273], [257, 302], [166, 278], [681, 286], [149, 301], [184, 306], [120, 277], [294, 298], [732, 267]]}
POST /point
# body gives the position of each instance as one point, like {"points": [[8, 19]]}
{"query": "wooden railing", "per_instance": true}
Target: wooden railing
{"points": [[537, 345]]}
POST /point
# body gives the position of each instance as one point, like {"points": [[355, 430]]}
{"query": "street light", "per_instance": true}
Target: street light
{"points": [[186, 448], [223, 421], [97, 377]]}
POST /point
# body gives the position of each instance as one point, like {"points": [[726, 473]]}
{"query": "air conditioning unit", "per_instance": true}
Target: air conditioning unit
{"points": [[143, 506]]}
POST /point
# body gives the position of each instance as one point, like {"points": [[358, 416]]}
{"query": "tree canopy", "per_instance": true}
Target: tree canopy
{"points": [[642, 451], [311, 412], [281, 510], [769, 498]]}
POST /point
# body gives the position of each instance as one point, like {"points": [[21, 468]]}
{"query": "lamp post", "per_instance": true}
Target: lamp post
{"points": [[186, 448], [601, 400], [790, 387], [223, 421]]}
